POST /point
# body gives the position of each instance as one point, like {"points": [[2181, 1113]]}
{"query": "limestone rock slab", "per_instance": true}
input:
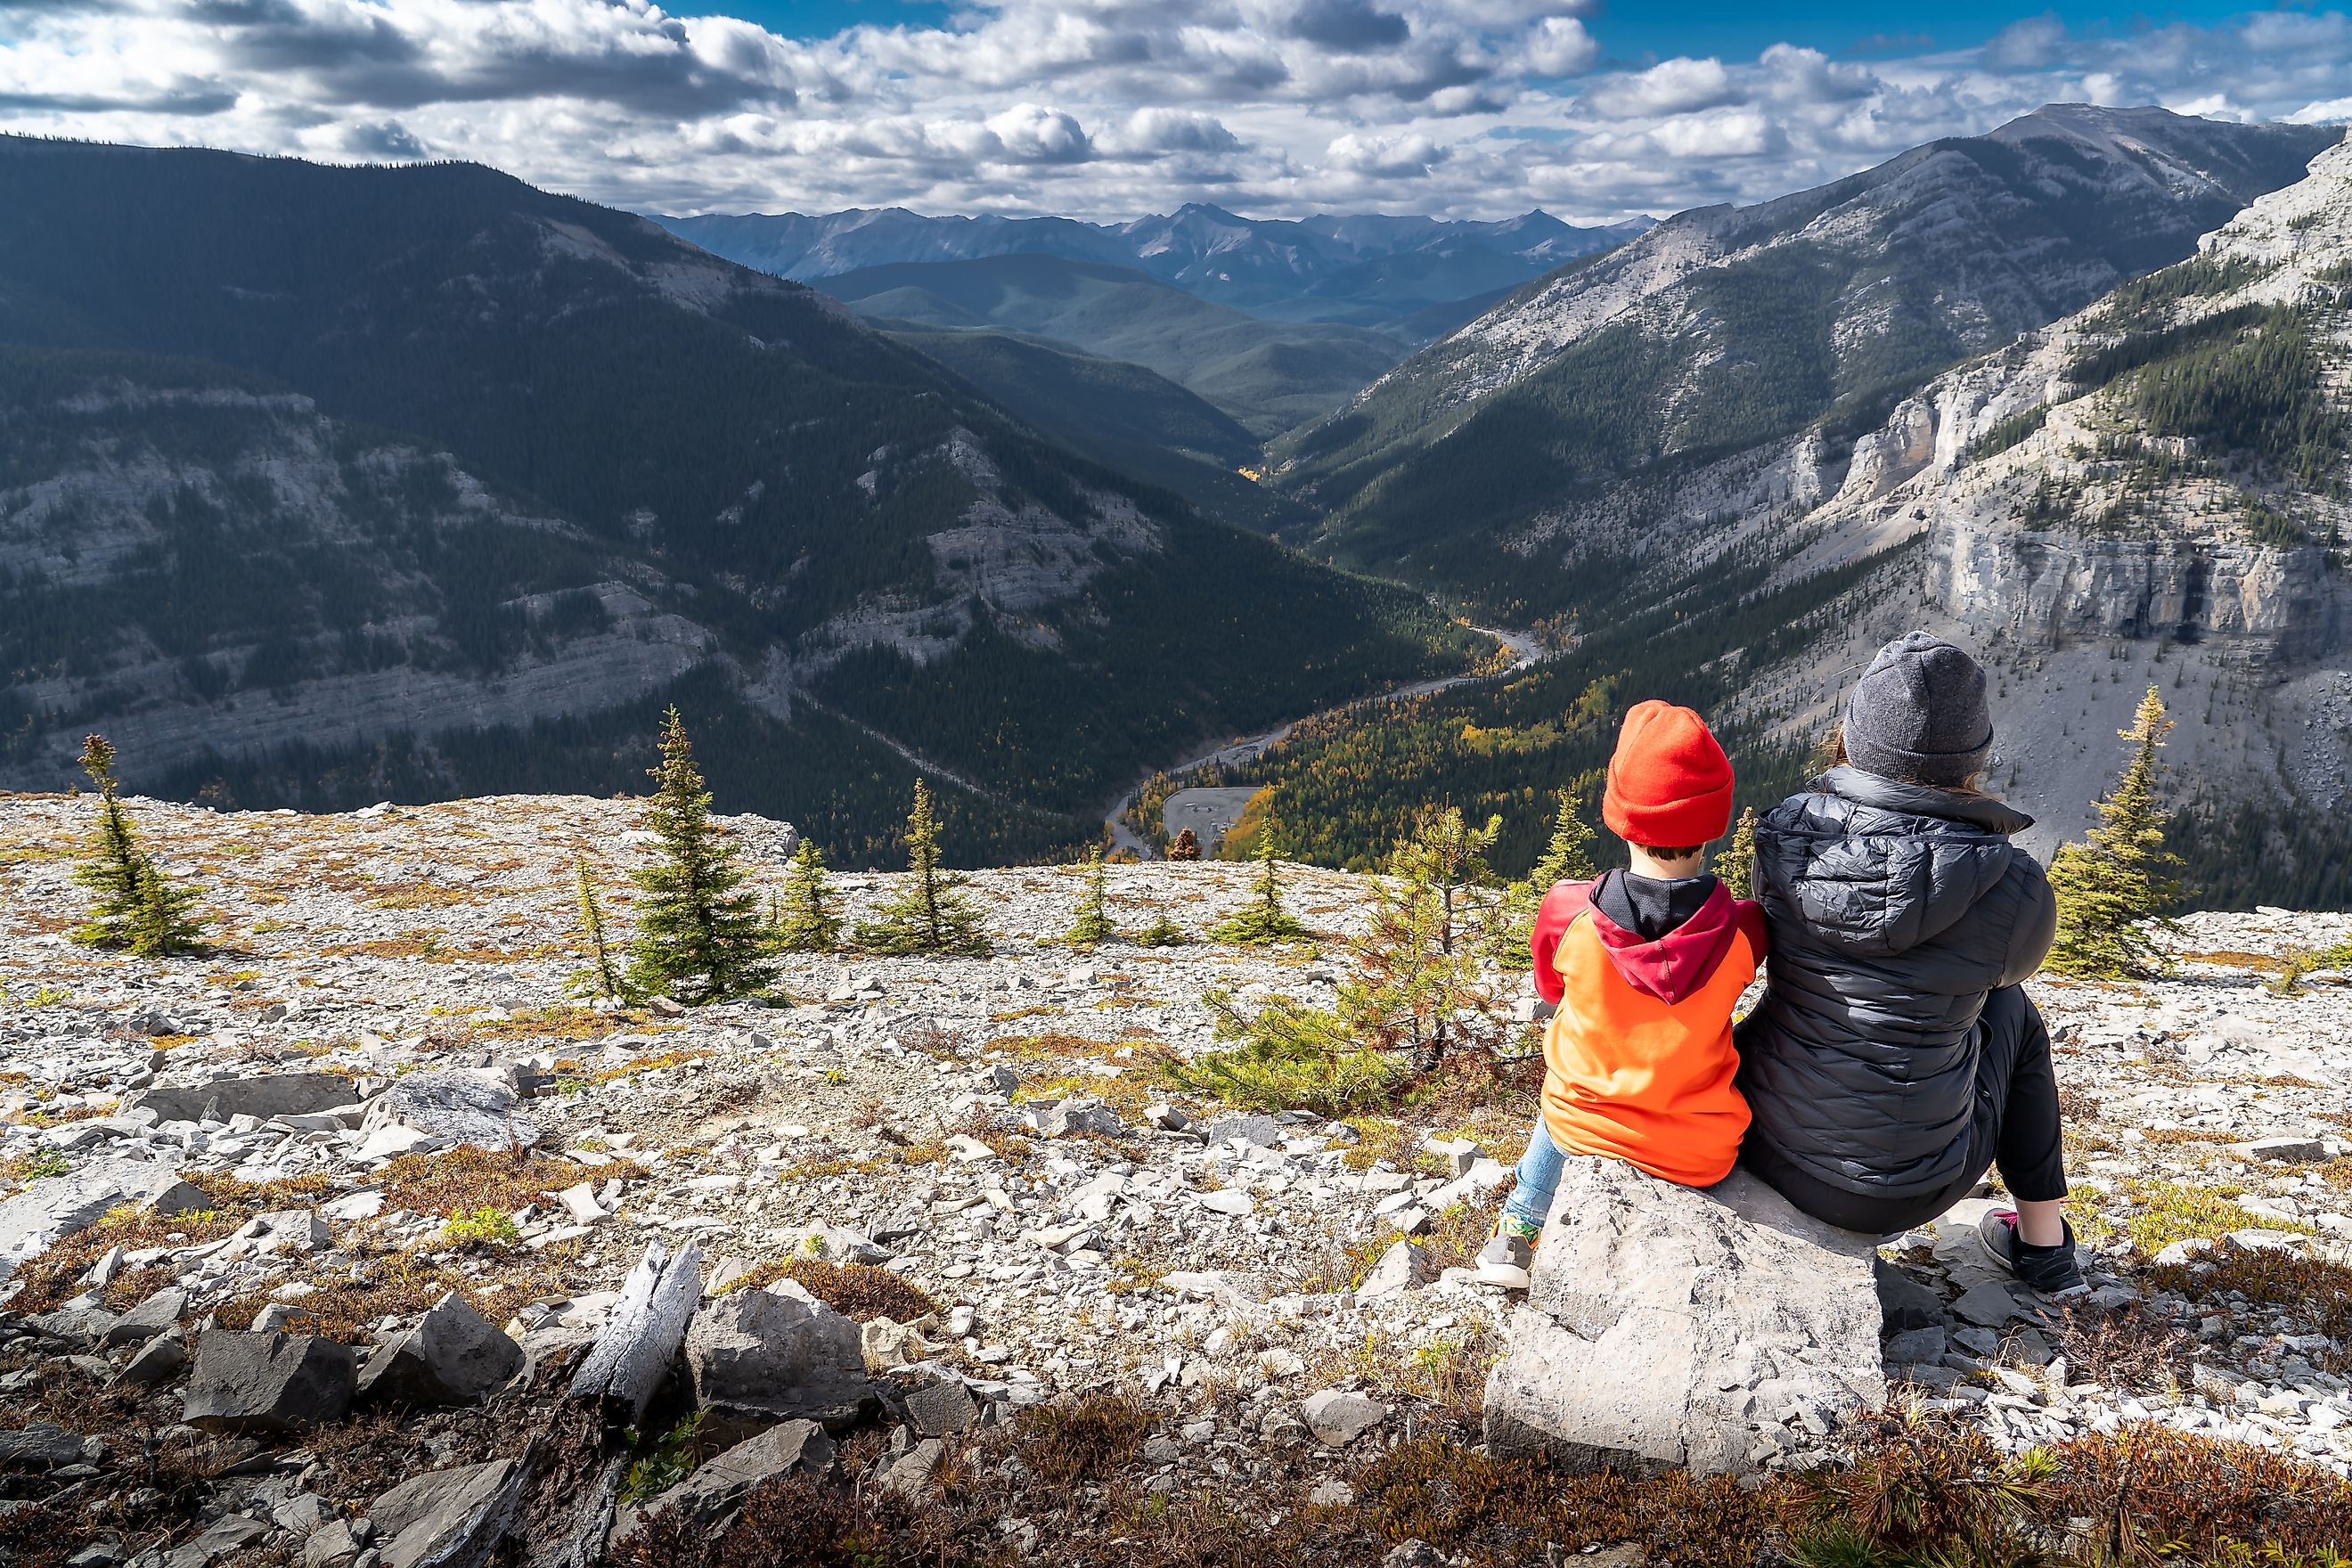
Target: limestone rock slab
{"points": [[1674, 1326]]}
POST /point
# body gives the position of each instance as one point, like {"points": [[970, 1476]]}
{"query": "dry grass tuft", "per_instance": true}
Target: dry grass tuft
{"points": [[2129, 1350], [466, 1179], [860, 1291], [2312, 1289]]}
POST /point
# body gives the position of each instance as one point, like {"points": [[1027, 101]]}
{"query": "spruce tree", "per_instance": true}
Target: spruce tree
{"points": [[699, 931], [1568, 858], [1263, 921], [1187, 846], [1736, 865], [933, 915], [802, 920], [603, 976], [137, 912], [1093, 922], [2120, 878]]}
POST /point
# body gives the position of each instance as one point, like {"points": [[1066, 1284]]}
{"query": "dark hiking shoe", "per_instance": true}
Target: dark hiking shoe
{"points": [[2050, 1271], [1504, 1260]]}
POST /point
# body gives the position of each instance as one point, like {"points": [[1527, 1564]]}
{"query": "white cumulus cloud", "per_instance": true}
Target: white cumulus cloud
{"points": [[1104, 109]]}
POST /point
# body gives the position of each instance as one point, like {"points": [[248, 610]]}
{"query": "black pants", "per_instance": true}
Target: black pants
{"points": [[2015, 1125]]}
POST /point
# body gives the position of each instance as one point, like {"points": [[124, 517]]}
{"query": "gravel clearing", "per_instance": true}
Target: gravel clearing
{"points": [[990, 1136]]}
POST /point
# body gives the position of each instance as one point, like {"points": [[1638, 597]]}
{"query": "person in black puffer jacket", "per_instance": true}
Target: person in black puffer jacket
{"points": [[1896, 1056]]}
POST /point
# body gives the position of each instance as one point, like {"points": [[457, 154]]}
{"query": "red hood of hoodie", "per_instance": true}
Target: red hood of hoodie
{"points": [[1670, 968]]}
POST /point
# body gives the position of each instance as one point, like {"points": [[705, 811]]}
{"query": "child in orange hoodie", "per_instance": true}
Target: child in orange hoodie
{"points": [[1643, 966]]}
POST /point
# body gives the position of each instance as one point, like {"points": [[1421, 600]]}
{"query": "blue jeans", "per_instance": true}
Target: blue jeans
{"points": [[1530, 1201]]}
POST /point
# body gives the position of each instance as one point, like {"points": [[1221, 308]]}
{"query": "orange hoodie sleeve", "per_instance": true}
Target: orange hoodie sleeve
{"points": [[1553, 917]]}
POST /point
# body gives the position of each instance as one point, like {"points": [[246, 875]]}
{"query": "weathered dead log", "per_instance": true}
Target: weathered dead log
{"points": [[631, 1358], [567, 1507]]}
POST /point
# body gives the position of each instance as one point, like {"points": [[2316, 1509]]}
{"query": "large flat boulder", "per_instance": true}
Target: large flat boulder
{"points": [[1673, 1326], [777, 1352], [55, 1208], [460, 1105], [262, 1094]]}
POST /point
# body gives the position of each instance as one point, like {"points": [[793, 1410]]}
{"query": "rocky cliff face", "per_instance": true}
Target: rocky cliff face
{"points": [[2149, 489]]}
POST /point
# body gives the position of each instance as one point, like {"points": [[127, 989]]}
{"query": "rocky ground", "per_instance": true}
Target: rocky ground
{"points": [[978, 1163]]}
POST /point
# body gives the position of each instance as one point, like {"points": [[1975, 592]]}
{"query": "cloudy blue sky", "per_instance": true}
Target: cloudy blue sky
{"points": [[1110, 109]]}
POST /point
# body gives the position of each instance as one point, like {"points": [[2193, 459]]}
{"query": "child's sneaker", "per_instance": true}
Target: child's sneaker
{"points": [[2052, 1270], [1505, 1260]]}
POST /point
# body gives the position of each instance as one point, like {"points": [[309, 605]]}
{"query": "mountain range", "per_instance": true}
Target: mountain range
{"points": [[1563, 422], [1363, 269], [2150, 489], [319, 485], [323, 485]]}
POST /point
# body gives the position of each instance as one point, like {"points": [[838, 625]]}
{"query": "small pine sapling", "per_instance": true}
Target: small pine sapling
{"points": [[1263, 921], [1735, 866], [802, 920], [1418, 997], [700, 937], [1567, 857], [603, 976], [138, 911], [933, 915], [1161, 932], [1186, 847], [1093, 922], [2115, 885]]}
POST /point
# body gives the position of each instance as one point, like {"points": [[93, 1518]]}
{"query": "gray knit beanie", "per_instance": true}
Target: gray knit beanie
{"points": [[1919, 714]]}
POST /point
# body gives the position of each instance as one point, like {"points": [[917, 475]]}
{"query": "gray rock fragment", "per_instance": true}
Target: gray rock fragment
{"points": [[156, 1364], [229, 1533], [942, 1409], [1903, 1302], [55, 1208], [453, 1357], [43, 1446], [445, 1515], [778, 1352], [159, 1313], [1990, 1305], [264, 1096], [251, 1384], [1338, 1420], [1065, 1117], [708, 1500], [1917, 1347], [1401, 1268], [463, 1107], [1671, 1326], [1263, 1130]]}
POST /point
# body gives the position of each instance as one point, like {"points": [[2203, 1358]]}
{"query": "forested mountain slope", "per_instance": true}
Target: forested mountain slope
{"points": [[1560, 421], [322, 484], [1122, 415], [2156, 490], [1268, 376]]}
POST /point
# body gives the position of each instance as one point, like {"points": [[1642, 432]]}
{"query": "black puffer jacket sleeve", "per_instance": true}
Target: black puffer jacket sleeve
{"points": [[1894, 909]]}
